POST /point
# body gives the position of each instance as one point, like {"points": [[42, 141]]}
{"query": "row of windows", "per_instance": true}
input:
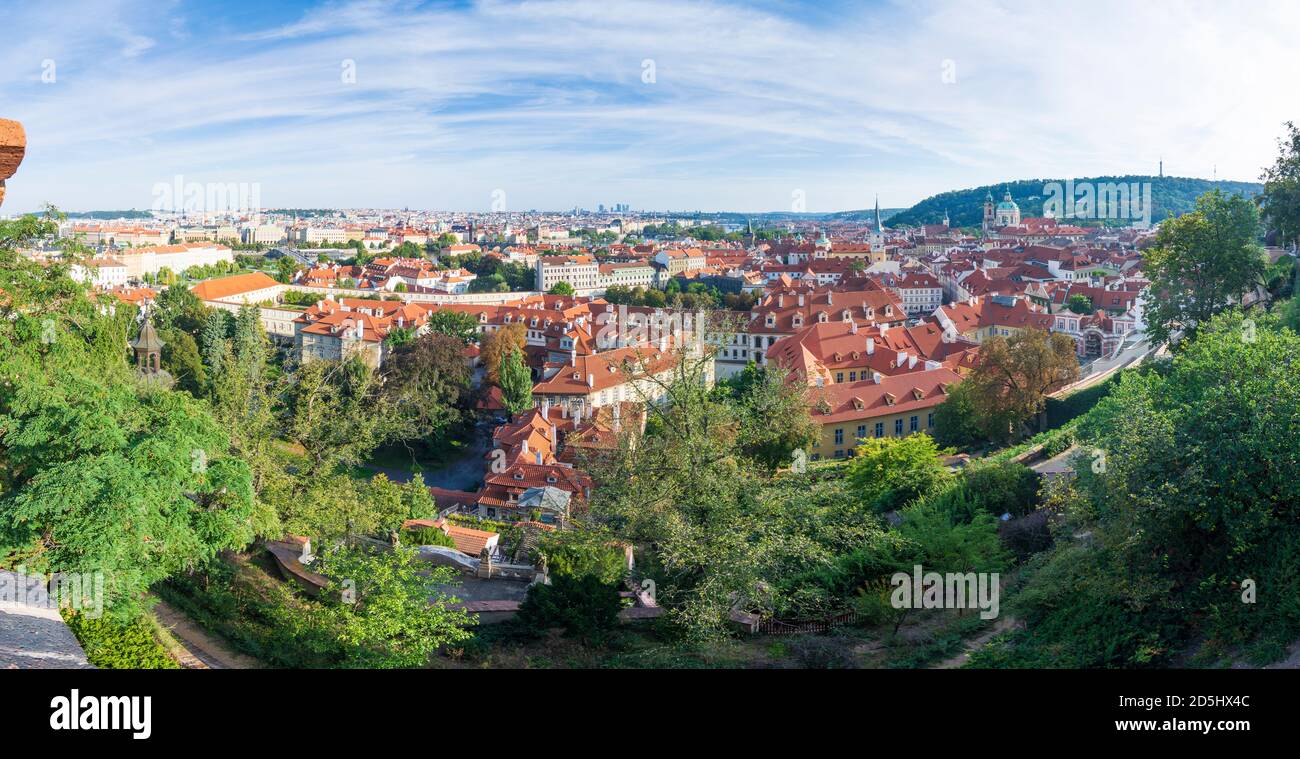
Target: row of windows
{"points": [[913, 425]]}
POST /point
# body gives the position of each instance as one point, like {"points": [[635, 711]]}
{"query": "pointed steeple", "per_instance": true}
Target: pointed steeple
{"points": [[880, 229]]}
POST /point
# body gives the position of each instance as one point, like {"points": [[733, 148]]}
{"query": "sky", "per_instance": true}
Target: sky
{"points": [[663, 105]]}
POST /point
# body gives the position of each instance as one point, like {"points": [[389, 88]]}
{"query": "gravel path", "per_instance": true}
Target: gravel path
{"points": [[205, 651]]}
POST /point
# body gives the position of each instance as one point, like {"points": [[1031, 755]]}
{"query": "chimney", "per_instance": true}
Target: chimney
{"points": [[801, 299], [911, 361], [902, 356], [853, 327], [539, 458], [591, 380], [525, 448], [875, 377], [555, 438], [871, 346], [780, 301]]}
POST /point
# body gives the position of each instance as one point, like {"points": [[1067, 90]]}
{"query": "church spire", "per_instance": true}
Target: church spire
{"points": [[880, 229]]}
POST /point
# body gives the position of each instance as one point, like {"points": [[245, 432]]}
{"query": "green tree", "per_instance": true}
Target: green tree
{"points": [[1079, 304], [585, 606], [1009, 386], [180, 357], [213, 341], [774, 420], [102, 472], [1202, 262], [1280, 200], [560, 288], [179, 308], [338, 412], [516, 383], [428, 382], [457, 324], [890, 472], [389, 608], [956, 424], [285, 269], [1186, 487]]}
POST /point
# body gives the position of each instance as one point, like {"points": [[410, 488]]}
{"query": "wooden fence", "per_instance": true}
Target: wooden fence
{"points": [[782, 627]]}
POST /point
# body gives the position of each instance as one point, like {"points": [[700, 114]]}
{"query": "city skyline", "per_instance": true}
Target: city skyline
{"points": [[678, 106]]}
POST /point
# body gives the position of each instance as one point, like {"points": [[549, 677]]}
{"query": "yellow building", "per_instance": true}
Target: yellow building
{"points": [[881, 407]]}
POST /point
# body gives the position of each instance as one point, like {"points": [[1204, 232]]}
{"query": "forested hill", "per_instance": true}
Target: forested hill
{"points": [[965, 208]]}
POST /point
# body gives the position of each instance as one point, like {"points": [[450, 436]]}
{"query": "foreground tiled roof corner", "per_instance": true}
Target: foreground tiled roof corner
{"points": [[13, 145]]}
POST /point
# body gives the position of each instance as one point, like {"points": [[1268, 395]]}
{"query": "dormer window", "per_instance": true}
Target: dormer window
{"points": [[889, 399], [798, 320], [771, 320], [846, 316], [889, 310], [821, 317], [917, 394], [519, 475]]}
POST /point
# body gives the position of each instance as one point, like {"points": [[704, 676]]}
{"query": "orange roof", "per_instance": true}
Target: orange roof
{"points": [[890, 395], [467, 540], [216, 289]]}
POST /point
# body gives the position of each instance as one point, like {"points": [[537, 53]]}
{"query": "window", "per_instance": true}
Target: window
{"points": [[853, 376], [839, 377], [880, 429], [929, 419], [839, 436], [912, 424], [862, 431], [898, 426]]}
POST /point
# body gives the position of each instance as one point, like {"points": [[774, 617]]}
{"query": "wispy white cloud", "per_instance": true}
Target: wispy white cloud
{"points": [[546, 100]]}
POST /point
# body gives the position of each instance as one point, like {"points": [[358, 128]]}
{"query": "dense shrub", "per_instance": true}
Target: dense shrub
{"points": [[585, 606], [427, 536], [111, 643], [579, 553], [1005, 487]]}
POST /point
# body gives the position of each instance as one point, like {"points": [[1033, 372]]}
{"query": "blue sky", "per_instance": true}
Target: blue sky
{"points": [[551, 102]]}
